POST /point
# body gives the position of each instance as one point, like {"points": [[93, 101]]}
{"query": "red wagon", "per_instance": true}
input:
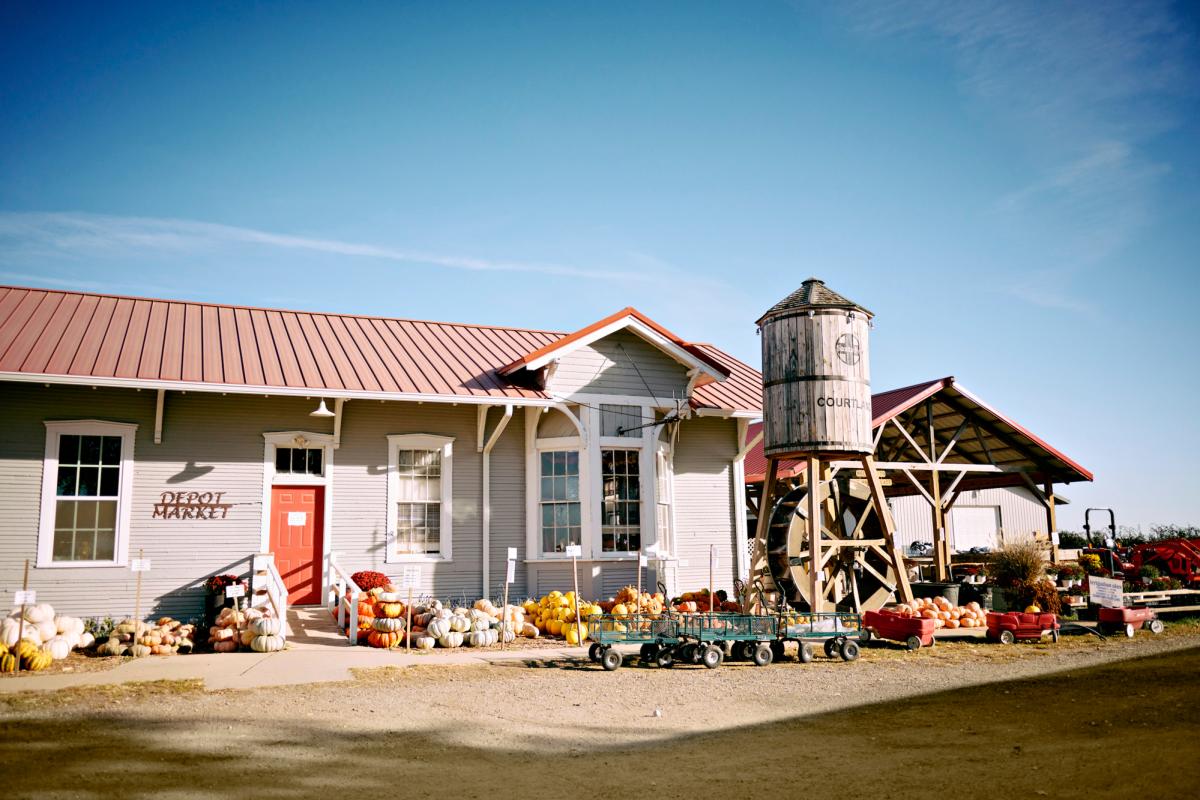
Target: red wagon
{"points": [[914, 632], [1129, 620], [1011, 626]]}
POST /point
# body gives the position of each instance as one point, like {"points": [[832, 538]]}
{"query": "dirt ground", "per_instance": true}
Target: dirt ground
{"points": [[1083, 718]]}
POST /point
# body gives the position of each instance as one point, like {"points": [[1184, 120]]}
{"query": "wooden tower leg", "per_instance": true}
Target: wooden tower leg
{"points": [[759, 572], [941, 547], [903, 589], [816, 516]]}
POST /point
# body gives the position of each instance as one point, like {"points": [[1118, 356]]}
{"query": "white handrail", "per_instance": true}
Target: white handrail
{"points": [[343, 591], [275, 589]]}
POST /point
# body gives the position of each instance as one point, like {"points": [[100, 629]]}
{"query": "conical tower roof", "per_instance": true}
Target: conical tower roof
{"points": [[812, 294]]}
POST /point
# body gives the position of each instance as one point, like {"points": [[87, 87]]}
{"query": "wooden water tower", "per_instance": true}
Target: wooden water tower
{"points": [[817, 409]]}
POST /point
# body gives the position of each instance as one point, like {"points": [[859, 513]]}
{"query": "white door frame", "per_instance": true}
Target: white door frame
{"points": [[325, 441]]}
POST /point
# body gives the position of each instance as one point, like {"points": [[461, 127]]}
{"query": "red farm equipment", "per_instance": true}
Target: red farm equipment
{"points": [[1175, 558]]}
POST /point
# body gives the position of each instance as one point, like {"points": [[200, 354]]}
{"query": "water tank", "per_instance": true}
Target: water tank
{"points": [[816, 374]]}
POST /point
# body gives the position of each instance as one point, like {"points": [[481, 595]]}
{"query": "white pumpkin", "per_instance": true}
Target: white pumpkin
{"points": [[57, 647], [424, 642], [388, 624], [390, 597], [477, 639], [266, 627], [46, 629], [481, 624], [86, 640], [451, 639], [438, 628], [460, 623], [529, 630], [41, 612], [10, 631], [267, 644], [72, 639]]}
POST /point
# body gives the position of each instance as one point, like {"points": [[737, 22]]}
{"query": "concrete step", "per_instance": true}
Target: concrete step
{"points": [[312, 628]]}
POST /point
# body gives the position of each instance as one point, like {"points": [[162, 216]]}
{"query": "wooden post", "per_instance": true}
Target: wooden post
{"points": [[903, 589], [1051, 521], [137, 603], [504, 623], [712, 595], [816, 597], [758, 565], [21, 624], [941, 549], [575, 581], [408, 622]]}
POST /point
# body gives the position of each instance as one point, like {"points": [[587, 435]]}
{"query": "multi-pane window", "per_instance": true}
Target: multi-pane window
{"points": [[87, 492], [418, 502], [623, 421], [620, 500], [299, 460], [662, 496], [561, 514]]}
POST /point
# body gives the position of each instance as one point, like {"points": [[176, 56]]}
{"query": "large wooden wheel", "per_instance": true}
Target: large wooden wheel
{"points": [[858, 572]]}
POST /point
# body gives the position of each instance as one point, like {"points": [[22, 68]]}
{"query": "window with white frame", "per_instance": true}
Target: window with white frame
{"points": [[620, 500], [561, 513], [419, 497], [662, 496], [86, 488], [299, 461]]}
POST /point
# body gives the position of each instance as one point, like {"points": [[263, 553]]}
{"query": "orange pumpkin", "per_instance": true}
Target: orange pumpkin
{"points": [[366, 608], [384, 639]]}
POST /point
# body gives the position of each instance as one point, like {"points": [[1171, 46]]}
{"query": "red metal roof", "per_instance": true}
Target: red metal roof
{"points": [[110, 339], [891, 404]]}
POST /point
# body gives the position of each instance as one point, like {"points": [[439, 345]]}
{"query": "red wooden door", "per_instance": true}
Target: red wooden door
{"points": [[297, 538]]}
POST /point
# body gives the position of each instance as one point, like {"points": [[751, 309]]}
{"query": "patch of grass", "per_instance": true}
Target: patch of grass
{"points": [[92, 696]]}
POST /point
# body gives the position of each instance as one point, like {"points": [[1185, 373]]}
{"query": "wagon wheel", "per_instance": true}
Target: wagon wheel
{"points": [[1007, 637], [849, 650], [855, 578], [1130, 630], [712, 657], [611, 660], [1155, 626], [830, 646], [665, 658], [594, 652], [805, 654], [762, 655], [777, 650], [913, 642]]}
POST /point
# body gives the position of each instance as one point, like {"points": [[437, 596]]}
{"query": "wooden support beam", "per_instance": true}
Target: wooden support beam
{"points": [[815, 573], [941, 546], [903, 589], [913, 442], [758, 565], [1051, 521], [952, 489], [917, 484], [953, 441]]}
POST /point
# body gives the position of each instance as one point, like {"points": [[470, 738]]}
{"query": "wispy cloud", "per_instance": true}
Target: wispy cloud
{"points": [[79, 234], [1078, 89]]}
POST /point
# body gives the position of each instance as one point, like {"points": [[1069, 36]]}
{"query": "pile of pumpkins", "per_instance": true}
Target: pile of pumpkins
{"points": [[382, 616], [256, 629], [628, 602], [136, 638], [44, 633], [700, 602], [561, 614], [943, 613]]}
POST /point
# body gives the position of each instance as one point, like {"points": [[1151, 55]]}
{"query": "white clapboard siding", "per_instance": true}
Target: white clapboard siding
{"points": [[604, 367], [704, 452], [1021, 515], [210, 443]]}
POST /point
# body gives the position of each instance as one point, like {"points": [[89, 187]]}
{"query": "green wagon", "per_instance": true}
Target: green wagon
{"points": [[653, 632]]}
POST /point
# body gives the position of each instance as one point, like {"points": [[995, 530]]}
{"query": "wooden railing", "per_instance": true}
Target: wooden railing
{"points": [[344, 593], [269, 583]]}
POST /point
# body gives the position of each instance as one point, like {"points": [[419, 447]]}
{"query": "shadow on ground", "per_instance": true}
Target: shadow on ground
{"points": [[1127, 729]]}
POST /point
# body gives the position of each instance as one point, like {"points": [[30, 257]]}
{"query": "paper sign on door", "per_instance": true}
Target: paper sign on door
{"points": [[297, 517]]}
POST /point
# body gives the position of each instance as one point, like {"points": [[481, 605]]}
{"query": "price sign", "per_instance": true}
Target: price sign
{"points": [[511, 575], [139, 565], [235, 590], [715, 560], [512, 554], [1105, 592], [410, 577], [642, 560], [25, 597], [297, 518], [574, 550]]}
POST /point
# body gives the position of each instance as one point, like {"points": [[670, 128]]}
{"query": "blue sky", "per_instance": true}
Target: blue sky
{"points": [[1011, 187]]}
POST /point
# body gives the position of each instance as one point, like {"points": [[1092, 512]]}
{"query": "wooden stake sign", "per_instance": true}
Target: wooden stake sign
{"points": [[575, 551], [408, 579], [509, 574], [24, 598], [139, 566], [712, 571]]}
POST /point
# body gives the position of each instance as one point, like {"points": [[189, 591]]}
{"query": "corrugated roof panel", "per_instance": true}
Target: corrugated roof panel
{"points": [[210, 346], [348, 351], [329, 374], [50, 336], [172, 355], [20, 316], [134, 339], [16, 351], [90, 341], [231, 352], [150, 361], [68, 346]]}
